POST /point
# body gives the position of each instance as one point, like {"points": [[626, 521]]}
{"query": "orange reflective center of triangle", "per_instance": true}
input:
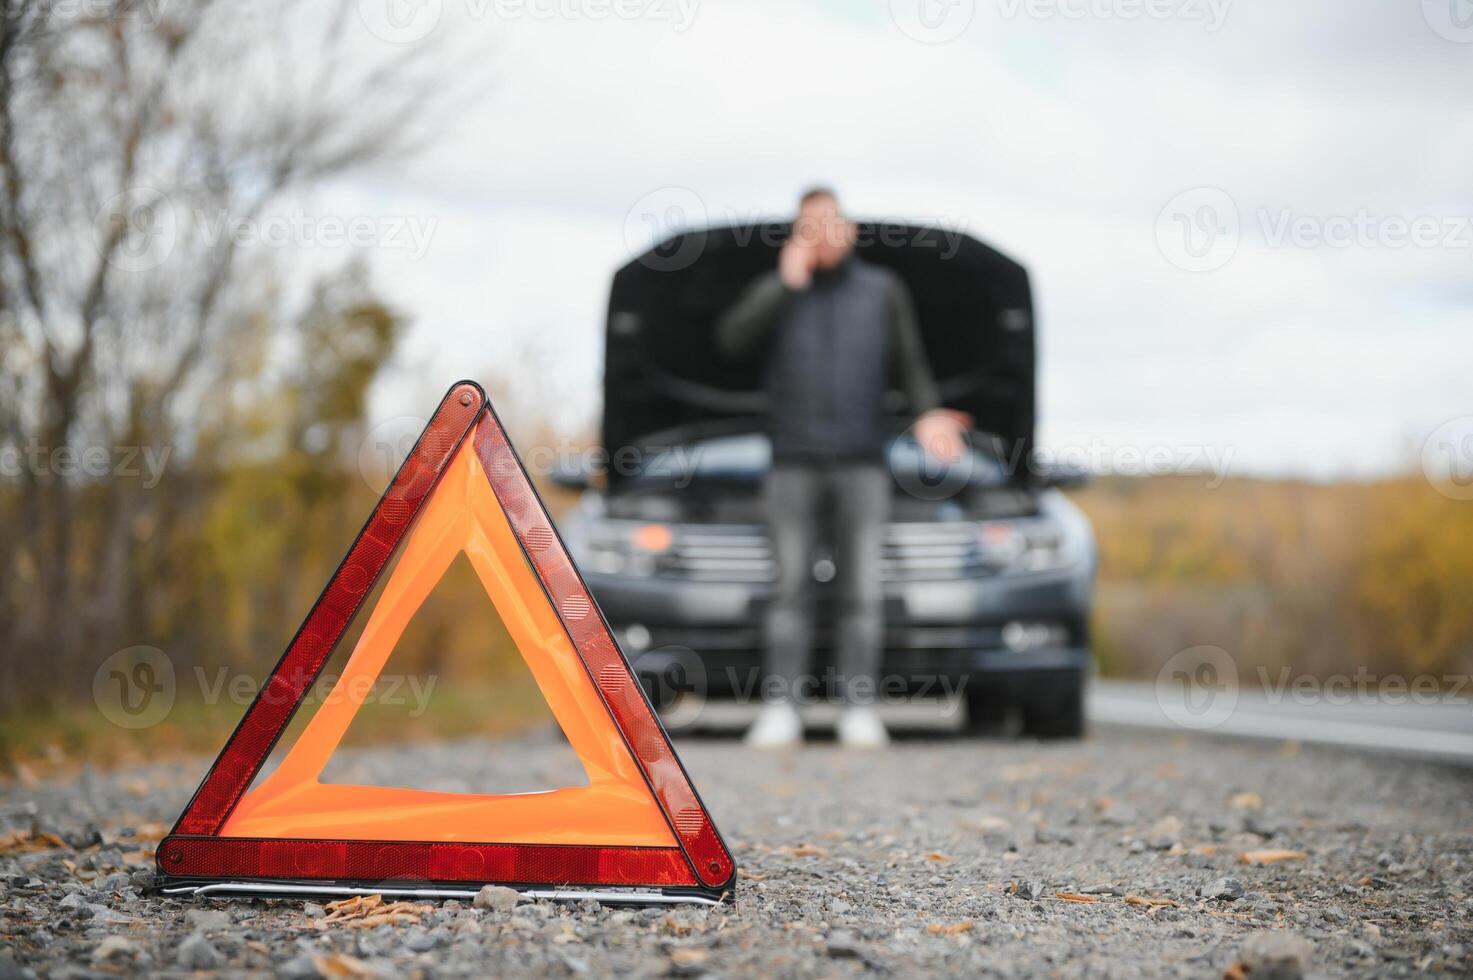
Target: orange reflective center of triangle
{"points": [[616, 807]]}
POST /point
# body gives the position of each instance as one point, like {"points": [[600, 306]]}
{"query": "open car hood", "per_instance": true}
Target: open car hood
{"points": [[665, 382]]}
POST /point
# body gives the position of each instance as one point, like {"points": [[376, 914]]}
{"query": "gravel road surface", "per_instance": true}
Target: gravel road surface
{"points": [[1120, 856]]}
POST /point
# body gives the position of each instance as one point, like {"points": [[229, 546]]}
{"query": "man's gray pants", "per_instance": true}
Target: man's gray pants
{"points": [[802, 499]]}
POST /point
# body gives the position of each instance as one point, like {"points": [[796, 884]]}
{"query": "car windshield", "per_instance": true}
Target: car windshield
{"points": [[746, 458]]}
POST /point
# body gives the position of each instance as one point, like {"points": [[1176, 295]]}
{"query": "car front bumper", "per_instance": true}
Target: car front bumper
{"points": [[708, 636]]}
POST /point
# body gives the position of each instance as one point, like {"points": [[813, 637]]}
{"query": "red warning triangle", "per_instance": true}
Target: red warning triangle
{"points": [[637, 831]]}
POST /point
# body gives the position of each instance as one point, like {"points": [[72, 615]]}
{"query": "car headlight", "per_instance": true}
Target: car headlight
{"points": [[626, 548], [1023, 546]]}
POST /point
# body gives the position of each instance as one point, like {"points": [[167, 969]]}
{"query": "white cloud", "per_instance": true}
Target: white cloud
{"points": [[1057, 140]]}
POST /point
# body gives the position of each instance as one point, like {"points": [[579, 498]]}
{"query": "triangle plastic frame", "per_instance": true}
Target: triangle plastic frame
{"points": [[197, 858]]}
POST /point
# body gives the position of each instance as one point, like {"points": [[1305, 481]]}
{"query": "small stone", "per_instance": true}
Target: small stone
{"points": [[82, 839], [1275, 955], [115, 882], [299, 967], [498, 898], [9, 968], [313, 911], [1222, 890], [1030, 890], [196, 953], [115, 948], [207, 920], [843, 944], [534, 910], [421, 941]]}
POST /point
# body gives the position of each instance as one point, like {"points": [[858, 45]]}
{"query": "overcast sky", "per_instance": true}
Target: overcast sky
{"points": [[1247, 221]]}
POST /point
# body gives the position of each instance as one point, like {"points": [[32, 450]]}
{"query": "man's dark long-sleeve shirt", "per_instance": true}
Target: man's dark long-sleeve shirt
{"points": [[830, 352]]}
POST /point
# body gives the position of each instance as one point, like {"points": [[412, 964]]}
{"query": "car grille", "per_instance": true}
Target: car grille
{"points": [[741, 553]]}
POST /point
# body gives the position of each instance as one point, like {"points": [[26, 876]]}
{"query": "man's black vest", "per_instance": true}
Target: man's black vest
{"points": [[829, 365]]}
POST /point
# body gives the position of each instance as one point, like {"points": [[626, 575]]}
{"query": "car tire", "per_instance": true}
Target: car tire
{"points": [[989, 710], [1058, 712]]}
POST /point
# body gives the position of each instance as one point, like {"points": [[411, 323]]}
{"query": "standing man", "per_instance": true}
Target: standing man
{"points": [[833, 330]]}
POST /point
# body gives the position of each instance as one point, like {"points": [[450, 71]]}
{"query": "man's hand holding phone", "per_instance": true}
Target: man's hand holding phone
{"points": [[795, 264]]}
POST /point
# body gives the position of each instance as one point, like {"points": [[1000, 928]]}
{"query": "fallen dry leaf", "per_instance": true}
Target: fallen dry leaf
{"points": [[750, 875], [1246, 801], [689, 956], [805, 851], [1271, 856], [1206, 850], [342, 965], [1076, 897], [1238, 971], [27, 841], [152, 831], [1149, 902], [368, 911], [937, 856], [956, 929]]}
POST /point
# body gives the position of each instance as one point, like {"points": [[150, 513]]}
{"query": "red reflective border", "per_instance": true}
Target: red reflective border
{"points": [[277, 701], [602, 658], [190, 851], [530, 864]]}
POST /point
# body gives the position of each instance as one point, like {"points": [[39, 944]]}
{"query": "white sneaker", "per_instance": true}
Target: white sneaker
{"points": [[777, 727], [860, 727]]}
